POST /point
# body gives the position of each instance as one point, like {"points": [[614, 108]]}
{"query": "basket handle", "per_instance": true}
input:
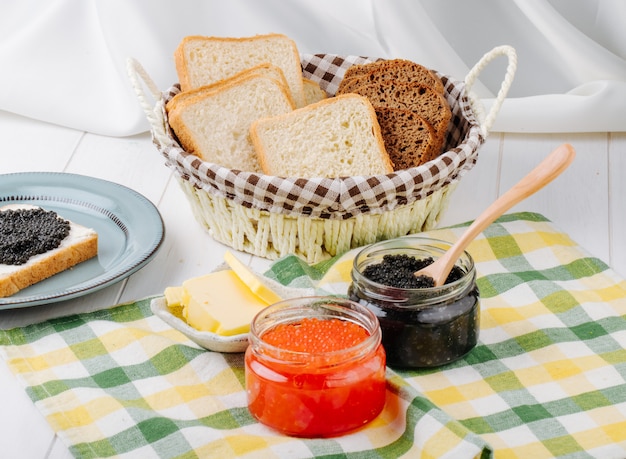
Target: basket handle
{"points": [[487, 121], [146, 88]]}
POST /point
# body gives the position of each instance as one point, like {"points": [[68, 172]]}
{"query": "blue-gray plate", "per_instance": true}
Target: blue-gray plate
{"points": [[130, 230]]}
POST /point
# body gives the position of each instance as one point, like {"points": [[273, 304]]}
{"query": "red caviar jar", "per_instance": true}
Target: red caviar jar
{"points": [[315, 367]]}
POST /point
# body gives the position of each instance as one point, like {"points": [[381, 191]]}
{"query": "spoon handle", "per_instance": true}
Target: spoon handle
{"points": [[546, 171]]}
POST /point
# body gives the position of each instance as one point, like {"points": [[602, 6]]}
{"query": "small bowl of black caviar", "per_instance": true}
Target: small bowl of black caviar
{"points": [[422, 325]]}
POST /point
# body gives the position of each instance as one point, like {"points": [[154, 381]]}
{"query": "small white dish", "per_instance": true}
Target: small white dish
{"points": [[213, 341], [208, 340]]}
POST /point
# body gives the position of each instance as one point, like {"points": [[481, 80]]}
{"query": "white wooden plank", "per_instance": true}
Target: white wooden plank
{"points": [[479, 187], [188, 249], [259, 265], [577, 201], [59, 450], [130, 161], [31, 146], [617, 201]]}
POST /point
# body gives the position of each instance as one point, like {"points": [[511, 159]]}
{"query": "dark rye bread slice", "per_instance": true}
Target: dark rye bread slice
{"points": [[399, 70], [410, 140], [359, 70], [349, 85], [416, 97]]}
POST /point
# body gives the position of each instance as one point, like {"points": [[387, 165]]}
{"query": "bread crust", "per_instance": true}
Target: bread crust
{"points": [[265, 69], [48, 264]]}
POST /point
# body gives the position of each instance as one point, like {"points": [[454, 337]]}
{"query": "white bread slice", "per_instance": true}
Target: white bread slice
{"points": [[336, 137], [205, 60], [80, 245], [312, 91], [265, 69], [214, 122]]}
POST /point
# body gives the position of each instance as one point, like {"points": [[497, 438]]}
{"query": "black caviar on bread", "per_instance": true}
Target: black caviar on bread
{"points": [[36, 244]]}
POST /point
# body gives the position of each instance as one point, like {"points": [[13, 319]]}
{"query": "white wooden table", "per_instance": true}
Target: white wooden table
{"points": [[587, 201]]}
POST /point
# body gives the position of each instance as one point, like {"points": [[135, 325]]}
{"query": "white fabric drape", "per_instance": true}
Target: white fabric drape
{"points": [[64, 61]]}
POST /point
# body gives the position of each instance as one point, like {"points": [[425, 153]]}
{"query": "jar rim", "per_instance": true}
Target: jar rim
{"points": [[415, 243], [294, 309]]}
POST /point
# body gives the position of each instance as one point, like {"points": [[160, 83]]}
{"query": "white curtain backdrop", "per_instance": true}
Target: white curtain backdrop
{"points": [[64, 61]]}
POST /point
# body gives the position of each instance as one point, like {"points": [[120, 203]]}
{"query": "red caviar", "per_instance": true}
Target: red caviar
{"points": [[315, 335], [315, 375]]}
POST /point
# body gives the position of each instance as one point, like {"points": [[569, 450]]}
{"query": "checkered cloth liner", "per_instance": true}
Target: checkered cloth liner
{"points": [[547, 379], [339, 198]]}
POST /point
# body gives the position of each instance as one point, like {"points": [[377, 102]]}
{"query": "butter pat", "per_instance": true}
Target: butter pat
{"points": [[174, 301], [174, 296], [249, 278], [221, 303]]}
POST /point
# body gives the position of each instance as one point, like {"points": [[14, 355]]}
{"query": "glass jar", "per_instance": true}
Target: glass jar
{"points": [[315, 394], [421, 327]]}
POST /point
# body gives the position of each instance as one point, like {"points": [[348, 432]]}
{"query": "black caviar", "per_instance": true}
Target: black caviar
{"points": [[398, 271], [422, 325], [25, 233]]}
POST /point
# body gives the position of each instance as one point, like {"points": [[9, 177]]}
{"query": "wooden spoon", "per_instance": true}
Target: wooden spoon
{"points": [[546, 171]]}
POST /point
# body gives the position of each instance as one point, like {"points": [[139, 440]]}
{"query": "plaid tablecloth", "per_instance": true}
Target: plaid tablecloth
{"points": [[548, 378]]}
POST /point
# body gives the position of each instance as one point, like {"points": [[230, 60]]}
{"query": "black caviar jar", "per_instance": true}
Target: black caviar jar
{"points": [[421, 327]]}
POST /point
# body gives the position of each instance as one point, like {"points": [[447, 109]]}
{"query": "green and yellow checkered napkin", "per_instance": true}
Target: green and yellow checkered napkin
{"points": [[548, 378]]}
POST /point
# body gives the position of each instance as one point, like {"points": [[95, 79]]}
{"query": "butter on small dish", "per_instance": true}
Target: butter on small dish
{"points": [[221, 303], [215, 310]]}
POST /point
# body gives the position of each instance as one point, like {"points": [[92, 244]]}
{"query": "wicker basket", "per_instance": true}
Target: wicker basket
{"points": [[318, 218]]}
